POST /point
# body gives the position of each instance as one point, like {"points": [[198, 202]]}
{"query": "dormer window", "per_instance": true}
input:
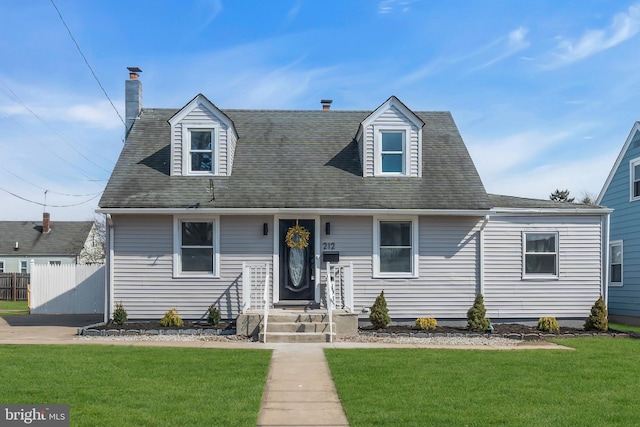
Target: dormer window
{"points": [[391, 151], [201, 151]]}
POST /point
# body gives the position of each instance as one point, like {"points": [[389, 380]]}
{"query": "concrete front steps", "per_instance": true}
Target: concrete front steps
{"points": [[297, 326]]}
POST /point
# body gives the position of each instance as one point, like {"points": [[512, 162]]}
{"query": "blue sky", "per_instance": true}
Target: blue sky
{"points": [[544, 93]]}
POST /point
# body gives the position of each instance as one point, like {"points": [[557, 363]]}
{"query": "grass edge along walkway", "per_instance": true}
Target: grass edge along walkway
{"points": [[137, 386], [595, 385]]}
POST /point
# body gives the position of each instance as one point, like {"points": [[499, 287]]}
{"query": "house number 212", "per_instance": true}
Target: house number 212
{"points": [[328, 246]]}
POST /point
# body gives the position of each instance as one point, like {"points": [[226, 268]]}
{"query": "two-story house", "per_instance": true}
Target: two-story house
{"points": [[621, 192], [206, 205]]}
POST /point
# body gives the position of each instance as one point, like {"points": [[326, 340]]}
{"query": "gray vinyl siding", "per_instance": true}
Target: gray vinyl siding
{"points": [[625, 225], [448, 271], [578, 285], [391, 117], [200, 116], [143, 267]]}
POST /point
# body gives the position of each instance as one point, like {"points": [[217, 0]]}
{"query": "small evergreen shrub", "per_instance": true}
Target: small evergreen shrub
{"points": [[476, 316], [119, 314], [213, 316], [379, 315], [597, 320], [548, 324], [171, 318], [426, 323]]}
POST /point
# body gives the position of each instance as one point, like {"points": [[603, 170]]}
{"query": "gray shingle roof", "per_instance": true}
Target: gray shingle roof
{"points": [[295, 159], [64, 238], [498, 201]]}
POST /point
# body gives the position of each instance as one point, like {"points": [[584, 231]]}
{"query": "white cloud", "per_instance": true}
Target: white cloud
{"points": [[623, 27], [388, 6]]}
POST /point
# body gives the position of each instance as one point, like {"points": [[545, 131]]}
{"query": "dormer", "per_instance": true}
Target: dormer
{"points": [[203, 140], [390, 141]]}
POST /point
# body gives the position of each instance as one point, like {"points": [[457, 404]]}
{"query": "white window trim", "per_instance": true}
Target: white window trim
{"points": [[3, 263], [55, 262], [186, 148], [177, 238], [414, 274], [621, 283], [534, 276], [406, 149], [632, 164], [26, 262]]}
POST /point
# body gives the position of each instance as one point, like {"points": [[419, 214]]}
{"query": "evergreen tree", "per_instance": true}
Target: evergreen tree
{"points": [[561, 196]]}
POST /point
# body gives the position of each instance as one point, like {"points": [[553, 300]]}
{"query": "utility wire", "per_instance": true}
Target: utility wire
{"points": [[87, 62], [11, 94], [50, 191], [44, 204]]}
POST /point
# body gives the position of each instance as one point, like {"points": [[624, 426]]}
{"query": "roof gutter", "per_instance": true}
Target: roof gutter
{"points": [[553, 211], [292, 211]]}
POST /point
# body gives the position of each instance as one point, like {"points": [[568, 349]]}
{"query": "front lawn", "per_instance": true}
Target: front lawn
{"points": [[138, 386], [595, 385]]}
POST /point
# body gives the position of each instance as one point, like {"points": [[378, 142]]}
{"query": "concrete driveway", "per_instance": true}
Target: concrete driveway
{"points": [[43, 328]]}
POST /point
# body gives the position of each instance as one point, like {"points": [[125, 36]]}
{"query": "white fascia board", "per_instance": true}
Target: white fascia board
{"points": [[293, 211], [550, 211]]}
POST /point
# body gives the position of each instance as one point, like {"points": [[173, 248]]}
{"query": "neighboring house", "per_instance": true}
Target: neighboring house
{"points": [[621, 192], [390, 196], [47, 242]]}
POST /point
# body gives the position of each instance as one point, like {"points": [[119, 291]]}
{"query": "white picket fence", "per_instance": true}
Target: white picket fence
{"points": [[67, 289]]}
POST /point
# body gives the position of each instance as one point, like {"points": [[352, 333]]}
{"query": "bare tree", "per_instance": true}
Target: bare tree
{"points": [[94, 248]]}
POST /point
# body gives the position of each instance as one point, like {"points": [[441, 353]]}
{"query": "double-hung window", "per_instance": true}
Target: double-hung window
{"points": [[615, 261], [391, 151], [634, 167], [2, 266], [541, 254], [395, 251], [202, 151], [196, 247], [23, 267]]}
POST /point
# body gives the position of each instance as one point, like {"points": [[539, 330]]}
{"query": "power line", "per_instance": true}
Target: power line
{"points": [[47, 190], [44, 204], [87, 62], [11, 94]]}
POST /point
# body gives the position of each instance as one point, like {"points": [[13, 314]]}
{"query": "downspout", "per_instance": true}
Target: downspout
{"points": [[108, 289], [605, 267], [481, 254]]}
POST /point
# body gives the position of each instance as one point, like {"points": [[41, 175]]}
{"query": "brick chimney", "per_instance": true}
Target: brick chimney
{"points": [[46, 222], [326, 104], [132, 97]]}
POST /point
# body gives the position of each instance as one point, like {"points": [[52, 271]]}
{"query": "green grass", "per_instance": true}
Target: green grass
{"points": [[138, 386], [624, 328], [21, 307], [595, 385]]}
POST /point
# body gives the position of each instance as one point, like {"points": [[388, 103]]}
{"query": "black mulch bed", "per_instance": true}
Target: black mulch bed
{"points": [[142, 326]]}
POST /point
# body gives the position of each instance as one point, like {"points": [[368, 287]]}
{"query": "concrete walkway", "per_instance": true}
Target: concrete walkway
{"points": [[300, 390]]}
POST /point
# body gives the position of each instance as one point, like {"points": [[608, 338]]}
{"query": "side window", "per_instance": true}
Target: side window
{"points": [[540, 254], [196, 247], [634, 175], [55, 262], [396, 247], [2, 266], [23, 267], [615, 261]]}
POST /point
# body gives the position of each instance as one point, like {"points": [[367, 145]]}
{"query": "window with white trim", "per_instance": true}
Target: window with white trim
{"points": [[615, 263], [1, 266], [395, 251], [196, 243], [23, 267], [55, 262], [634, 167], [202, 151], [391, 151], [541, 254]]}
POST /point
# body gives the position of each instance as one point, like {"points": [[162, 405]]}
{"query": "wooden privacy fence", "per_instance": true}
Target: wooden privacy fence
{"points": [[67, 289], [13, 286]]}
